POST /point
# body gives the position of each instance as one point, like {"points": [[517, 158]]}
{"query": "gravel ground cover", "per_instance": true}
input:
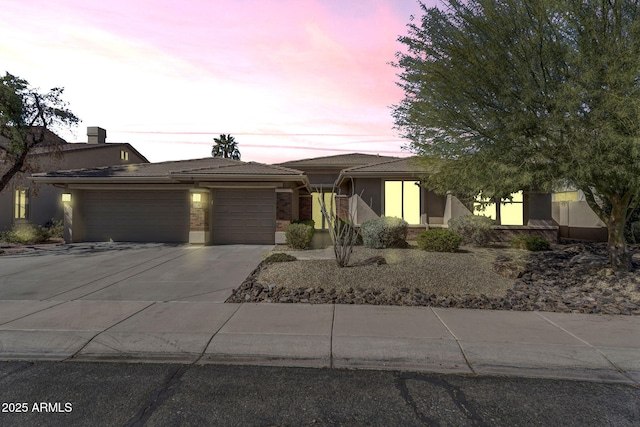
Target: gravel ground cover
{"points": [[404, 268], [570, 278]]}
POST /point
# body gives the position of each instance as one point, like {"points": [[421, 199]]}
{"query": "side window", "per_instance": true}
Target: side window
{"points": [[124, 155], [21, 206]]}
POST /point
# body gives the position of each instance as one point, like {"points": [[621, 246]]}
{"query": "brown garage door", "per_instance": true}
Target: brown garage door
{"points": [[244, 216], [136, 216]]}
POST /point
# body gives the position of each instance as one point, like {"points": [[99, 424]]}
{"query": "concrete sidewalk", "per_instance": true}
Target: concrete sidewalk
{"points": [[533, 344]]}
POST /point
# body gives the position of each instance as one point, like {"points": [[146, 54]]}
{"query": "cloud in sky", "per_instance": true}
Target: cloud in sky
{"points": [[289, 78]]}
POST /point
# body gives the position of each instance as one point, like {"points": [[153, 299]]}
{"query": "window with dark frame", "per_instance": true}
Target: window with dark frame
{"points": [[21, 206]]}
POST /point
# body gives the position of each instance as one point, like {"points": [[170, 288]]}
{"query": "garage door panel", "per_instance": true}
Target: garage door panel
{"points": [[244, 216], [138, 216]]}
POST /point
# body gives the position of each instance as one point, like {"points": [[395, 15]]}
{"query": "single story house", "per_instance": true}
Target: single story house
{"points": [[223, 201], [25, 201], [202, 201]]}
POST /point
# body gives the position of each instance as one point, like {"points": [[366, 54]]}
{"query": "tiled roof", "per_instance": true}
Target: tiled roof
{"points": [[144, 169], [50, 138], [55, 144], [408, 165], [340, 160], [212, 166], [248, 168]]}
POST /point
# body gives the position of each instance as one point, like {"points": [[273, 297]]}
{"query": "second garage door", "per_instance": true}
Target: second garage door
{"points": [[244, 217], [136, 216]]}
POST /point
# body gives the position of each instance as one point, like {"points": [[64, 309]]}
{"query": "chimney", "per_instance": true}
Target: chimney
{"points": [[96, 135]]}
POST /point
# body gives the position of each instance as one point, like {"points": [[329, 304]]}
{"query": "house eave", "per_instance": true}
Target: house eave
{"points": [[100, 180], [398, 174]]}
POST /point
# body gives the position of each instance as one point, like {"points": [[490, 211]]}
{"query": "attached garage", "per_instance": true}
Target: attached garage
{"points": [[201, 201], [136, 216], [244, 216]]}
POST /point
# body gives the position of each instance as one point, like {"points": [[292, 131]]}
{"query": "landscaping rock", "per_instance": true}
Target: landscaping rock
{"points": [[509, 269]]}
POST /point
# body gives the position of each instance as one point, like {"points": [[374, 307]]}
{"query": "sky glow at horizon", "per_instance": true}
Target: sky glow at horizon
{"points": [[290, 79]]}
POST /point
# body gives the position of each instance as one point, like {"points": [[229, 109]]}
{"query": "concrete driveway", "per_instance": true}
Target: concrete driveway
{"points": [[129, 272]]}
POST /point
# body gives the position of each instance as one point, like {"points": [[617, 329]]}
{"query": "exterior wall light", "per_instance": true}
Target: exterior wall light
{"points": [[196, 197], [66, 197]]}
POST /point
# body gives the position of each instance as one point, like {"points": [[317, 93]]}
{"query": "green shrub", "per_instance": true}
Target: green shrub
{"points": [[279, 257], [55, 229], [311, 223], [25, 233], [439, 240], [384, 232], [474, 229], [298, 236], [530, 243]]}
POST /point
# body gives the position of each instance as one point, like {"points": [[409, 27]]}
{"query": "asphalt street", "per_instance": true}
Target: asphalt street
{"points": [[125, 394]]}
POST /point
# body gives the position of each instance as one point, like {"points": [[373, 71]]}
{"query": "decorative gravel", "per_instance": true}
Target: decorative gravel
{"points": [[432, 272], [572, 278]]}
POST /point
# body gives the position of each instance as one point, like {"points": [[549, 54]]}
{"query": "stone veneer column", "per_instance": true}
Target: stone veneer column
{"points": [[284, 212], [199, 216], [305, 209], [342, 207]]}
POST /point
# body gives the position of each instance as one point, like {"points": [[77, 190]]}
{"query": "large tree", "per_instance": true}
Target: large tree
{"points": [[26, 117], [225, 146], [530, 93]]}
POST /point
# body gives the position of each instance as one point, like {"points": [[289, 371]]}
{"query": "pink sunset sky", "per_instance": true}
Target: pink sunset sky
{"points": [[290, 79]]}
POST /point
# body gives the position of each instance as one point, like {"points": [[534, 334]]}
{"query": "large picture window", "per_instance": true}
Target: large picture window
{"points": [[318, 219], [21, 208], [510, 212], [402, 200]]}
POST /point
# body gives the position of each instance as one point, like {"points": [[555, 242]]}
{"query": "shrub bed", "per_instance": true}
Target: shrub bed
{"points": [[26, 233]]}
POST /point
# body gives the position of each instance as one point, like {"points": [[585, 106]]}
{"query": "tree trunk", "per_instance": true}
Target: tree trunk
{"points": [[497, 202], [619, 256]]}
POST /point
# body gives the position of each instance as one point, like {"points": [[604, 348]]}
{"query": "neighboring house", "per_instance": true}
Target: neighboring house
{"points": [[24, 201], [204, 201], [224, 201]]}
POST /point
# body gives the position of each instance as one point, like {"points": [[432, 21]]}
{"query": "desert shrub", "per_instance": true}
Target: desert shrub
{"points": [[474, 229], [311, 223], [279, 257], [298, 236], [55, 229], [530, 243], [25, 233], [439, 240], [384, 232]]}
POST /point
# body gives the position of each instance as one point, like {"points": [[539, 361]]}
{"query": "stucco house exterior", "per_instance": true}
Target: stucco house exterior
{"points": [[369, 186], [202, 201], [26, 201], [223, 201]]}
